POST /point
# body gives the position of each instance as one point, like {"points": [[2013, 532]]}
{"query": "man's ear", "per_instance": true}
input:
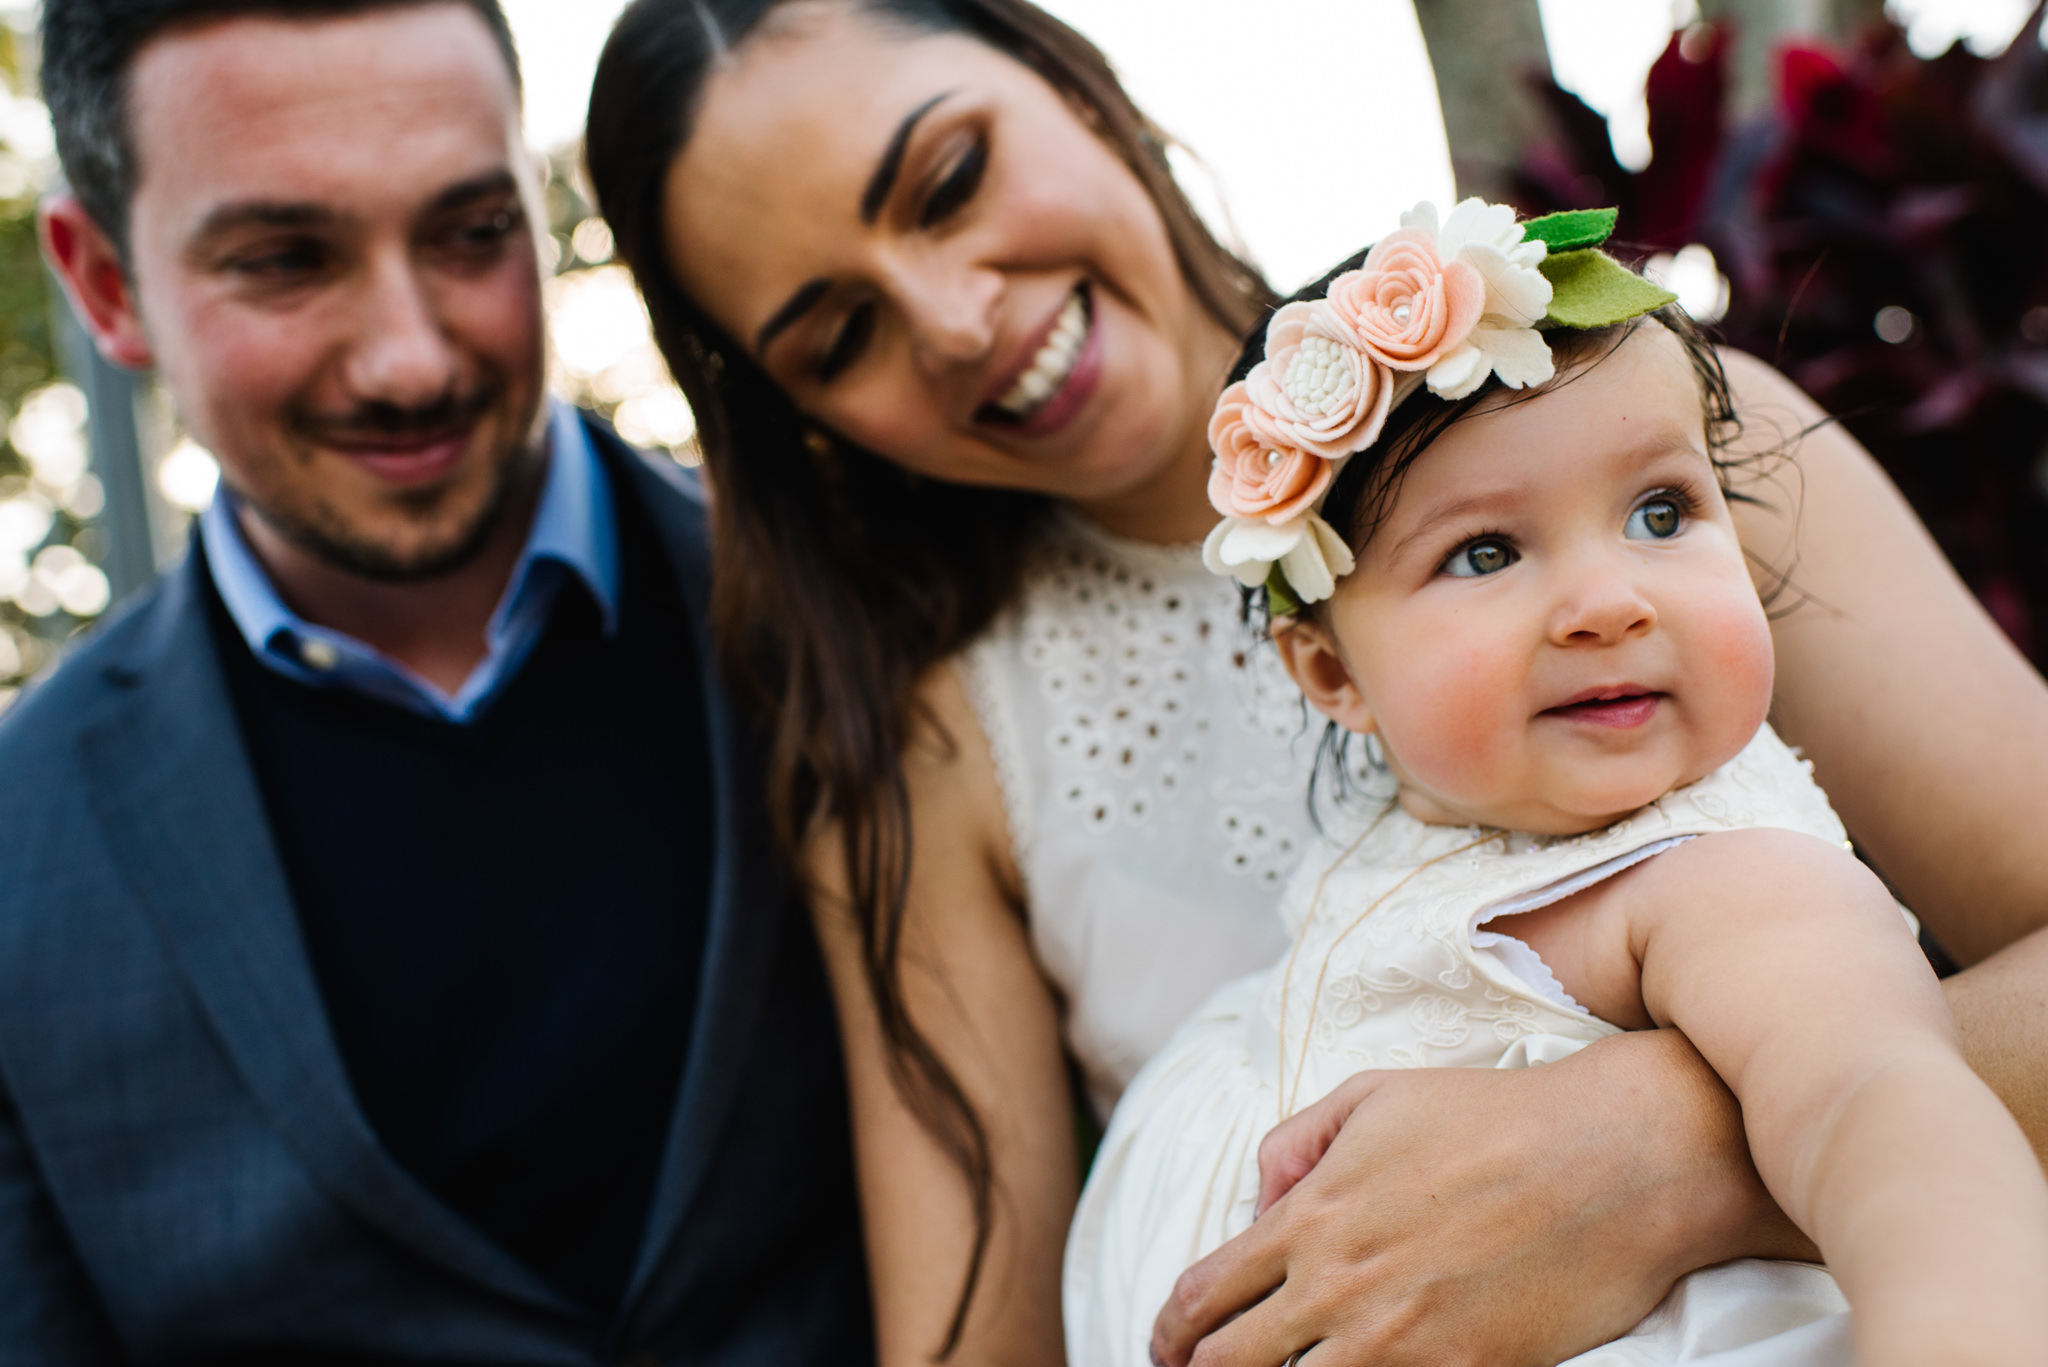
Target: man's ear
{"points": [[1312, 661], [95, 280]]}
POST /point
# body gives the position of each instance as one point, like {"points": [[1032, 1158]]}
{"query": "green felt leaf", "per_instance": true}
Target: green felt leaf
{"points": [[1280, 599], [1573, 230], [1591, 289]]}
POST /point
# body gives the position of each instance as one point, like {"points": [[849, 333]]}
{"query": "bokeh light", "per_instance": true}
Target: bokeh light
{"points": [[1692, 275], [187, 476]]}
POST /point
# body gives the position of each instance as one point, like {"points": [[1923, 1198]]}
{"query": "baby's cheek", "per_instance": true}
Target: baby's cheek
{"points": [[1449, 728], [1735, 663]]}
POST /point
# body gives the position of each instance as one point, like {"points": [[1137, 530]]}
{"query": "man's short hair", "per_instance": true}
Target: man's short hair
{"points": [[90, 46]]}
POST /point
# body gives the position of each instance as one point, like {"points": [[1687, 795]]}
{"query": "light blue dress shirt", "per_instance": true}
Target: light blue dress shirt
{"points": [[575, 532]]}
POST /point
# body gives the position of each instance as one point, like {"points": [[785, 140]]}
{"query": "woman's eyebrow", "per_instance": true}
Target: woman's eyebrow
{"points": [[884, 179], [871, 201], [796, 306]]}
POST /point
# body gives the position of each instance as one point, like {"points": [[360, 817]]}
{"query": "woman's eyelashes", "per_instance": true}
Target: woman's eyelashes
{"points": [[956, 187], [848, 342]]}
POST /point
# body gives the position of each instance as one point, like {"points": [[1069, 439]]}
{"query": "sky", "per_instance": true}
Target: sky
{"points": [[1282, 98]]}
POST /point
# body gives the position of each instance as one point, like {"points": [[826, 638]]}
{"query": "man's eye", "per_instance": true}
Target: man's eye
{"points": [[279, 265], [486, 233], [847, 346], [1656, 520], [1488, 555], [957, 188]]}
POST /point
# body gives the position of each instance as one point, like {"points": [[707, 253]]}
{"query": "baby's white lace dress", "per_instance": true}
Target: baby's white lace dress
{"points": [[1154, 761], [1388, 970]]}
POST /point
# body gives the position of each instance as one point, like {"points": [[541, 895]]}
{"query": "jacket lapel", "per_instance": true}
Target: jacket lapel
{"points": [[172, 787], [748, 888]]}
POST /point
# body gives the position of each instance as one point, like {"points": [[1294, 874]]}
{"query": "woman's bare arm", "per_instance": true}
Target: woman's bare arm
{"points": [[1928, 730], [972, 987]]}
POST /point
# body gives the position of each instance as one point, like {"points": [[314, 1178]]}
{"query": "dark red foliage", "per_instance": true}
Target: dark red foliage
{"points": [[1880, 184]]}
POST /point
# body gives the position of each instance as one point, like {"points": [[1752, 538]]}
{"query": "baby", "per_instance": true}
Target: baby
{"points": [[1534, 605]]}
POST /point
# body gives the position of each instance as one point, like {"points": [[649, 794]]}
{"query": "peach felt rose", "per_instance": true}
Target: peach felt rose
{"points": [[1316, 390], [1407, 306], [1255, 475]]}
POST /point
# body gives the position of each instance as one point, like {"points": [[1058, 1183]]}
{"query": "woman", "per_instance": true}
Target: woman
{"points": [[952, 337]]}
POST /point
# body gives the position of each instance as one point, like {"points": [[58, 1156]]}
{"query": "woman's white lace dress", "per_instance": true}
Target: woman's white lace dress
{"points": [[1154, 760], [1388, 970]]}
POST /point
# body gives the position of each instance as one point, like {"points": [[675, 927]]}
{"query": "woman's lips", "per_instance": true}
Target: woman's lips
{"points": [[1069, 398], [1057, 409], [1621, 711]]}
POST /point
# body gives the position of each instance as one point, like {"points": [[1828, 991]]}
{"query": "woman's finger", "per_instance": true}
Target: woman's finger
{"points": [[1234, 1279], [1267, 1335], [1294, 1146]]}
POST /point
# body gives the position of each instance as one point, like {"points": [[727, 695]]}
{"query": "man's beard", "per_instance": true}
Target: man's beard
{"points": [[324, 535]]}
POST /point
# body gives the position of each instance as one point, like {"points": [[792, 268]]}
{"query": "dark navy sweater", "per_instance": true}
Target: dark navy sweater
{"points": [[507, 918]]}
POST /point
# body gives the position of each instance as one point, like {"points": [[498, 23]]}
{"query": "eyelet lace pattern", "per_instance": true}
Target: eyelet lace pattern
{"points": [[1154, 760]]}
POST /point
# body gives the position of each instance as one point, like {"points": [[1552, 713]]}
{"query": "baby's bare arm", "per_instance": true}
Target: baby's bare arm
{"points": [[1788, 966]]}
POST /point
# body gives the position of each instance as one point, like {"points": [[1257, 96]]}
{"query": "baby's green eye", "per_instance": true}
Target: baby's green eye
{"points": [[1654, 521], [1476, 558]]}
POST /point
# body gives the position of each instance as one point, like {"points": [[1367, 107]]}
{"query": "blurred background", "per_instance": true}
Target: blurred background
{"points": [[1856, 190]]}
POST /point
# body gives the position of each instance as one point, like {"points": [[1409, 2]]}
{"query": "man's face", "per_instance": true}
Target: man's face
{"points": [[333, 263]]}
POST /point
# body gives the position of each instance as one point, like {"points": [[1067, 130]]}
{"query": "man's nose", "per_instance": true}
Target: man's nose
{"points": [[951, 314], [1601, 603], [401, 353]]}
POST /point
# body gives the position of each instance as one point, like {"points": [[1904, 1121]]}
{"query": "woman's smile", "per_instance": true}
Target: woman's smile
{"points": [[1063, 366]]}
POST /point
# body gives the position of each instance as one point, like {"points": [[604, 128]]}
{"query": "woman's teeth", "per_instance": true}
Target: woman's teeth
{"points": [[1051, 366]]}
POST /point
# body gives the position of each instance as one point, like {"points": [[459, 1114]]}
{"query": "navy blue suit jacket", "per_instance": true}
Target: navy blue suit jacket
{"points": [[184, 1174]]}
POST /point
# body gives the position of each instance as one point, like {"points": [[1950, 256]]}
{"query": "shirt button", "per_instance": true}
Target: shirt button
{"points": [[319, 655]]}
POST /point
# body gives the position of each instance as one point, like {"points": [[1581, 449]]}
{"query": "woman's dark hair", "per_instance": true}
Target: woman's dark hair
{"points": [[1363, 493], [841, 579]]}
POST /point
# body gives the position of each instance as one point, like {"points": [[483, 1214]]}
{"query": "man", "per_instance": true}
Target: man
{"points": [[394, 962]]}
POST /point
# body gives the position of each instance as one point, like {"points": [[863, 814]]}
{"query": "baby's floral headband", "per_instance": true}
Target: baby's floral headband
{"points": [[1443, 305]]}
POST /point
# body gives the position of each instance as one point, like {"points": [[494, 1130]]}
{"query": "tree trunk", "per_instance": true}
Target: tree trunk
{"points": [[1482, 50]]}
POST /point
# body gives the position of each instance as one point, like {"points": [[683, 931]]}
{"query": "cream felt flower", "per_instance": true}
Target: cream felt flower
{"points": [[1519, 355], [1310, 554], [1255, 474], [1316, 390]]}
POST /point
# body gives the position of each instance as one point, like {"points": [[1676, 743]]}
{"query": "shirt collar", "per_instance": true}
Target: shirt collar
{"points": [[575, 524], [575, 527]]}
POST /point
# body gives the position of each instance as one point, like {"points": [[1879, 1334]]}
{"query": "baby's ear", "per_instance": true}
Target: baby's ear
{"points": [[1312, 661]]}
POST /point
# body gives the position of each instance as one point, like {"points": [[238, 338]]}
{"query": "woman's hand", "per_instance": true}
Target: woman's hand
{"points": [[1469, 1215]]}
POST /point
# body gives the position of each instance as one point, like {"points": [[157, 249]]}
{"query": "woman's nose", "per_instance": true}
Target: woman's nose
{"points": [[1601, 605], [951, 314]]}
